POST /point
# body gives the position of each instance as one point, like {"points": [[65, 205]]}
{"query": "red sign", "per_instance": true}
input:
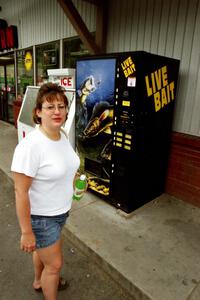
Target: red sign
{"points": [[8, 36], [66, 82]]}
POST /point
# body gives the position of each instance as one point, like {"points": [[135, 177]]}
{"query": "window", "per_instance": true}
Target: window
{"points": [[73, 49], [24, 70], [47, 57]]}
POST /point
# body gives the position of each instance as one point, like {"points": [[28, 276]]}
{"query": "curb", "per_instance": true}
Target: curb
{"points": [[124, 283]]}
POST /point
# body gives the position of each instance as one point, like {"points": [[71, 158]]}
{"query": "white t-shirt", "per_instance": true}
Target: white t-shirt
{"points": [[53, 165]]}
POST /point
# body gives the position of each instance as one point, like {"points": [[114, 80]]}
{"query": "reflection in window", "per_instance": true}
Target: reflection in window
{"points": [[47, 57], [73, 49], [25, 70]]}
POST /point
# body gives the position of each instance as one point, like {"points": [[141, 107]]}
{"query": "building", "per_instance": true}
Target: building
{"points": [[52, 34]]}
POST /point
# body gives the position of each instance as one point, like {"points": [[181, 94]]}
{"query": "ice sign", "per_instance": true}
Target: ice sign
{"points": [[64, 77], [67, 82]]}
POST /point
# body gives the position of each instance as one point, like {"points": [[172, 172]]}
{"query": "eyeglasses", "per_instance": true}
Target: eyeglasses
{"points": [[52, 108]]}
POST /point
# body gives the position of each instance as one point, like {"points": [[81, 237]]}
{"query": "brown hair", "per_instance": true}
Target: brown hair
{"points": [[48, 92]]}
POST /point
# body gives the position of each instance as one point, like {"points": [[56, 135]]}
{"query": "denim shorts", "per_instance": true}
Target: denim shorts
{"points": [[47, 229]]}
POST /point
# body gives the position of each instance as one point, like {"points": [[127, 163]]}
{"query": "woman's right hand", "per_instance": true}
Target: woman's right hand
{"points": [[28, 242], [22, 186]]}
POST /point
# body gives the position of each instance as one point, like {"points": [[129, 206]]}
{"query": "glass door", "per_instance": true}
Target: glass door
{"points": [[10, 75], [2, 93], [7, 88]]}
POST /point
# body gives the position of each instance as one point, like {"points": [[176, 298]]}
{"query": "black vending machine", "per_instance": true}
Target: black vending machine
{"points": [[124, 113]]}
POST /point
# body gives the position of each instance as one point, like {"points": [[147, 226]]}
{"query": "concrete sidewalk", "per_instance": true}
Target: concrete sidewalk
{"points": [[154, 252]]}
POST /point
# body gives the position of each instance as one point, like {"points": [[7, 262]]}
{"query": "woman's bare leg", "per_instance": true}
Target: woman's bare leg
{"points": [[52, 259], [38, 268]]}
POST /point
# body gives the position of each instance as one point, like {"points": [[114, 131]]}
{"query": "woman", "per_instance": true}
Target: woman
{"points": [[44, 167]]}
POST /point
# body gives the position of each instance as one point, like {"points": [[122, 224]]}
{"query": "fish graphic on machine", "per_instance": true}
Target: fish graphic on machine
{"points": [[94, 122], [100, 121]]}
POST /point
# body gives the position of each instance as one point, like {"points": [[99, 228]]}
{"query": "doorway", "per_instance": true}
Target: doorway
{"points": [[7, 87]]}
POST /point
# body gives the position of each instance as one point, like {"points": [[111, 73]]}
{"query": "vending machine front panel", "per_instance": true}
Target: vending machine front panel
{"points": [[145, 116]]}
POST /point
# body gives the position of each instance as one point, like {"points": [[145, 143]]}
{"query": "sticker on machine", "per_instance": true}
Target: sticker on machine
{"points": [[131, 81]]}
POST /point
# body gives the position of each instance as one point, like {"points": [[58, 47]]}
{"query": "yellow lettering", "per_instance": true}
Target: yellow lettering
{"points": [[171, 87], [153, 82], [129, 71], [125, 73], [168, 94], [158, 79], [130, 60], [149, 89], [133, 67], [158, 86], [164, 97], [164, 76], [126, 62], [157, 101], [122, 65]]}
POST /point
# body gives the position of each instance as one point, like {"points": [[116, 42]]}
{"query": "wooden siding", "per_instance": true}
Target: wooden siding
{"points": [[170, 28]]}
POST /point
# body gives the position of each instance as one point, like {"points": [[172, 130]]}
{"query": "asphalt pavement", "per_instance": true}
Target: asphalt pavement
{"points": [[87, 281]]}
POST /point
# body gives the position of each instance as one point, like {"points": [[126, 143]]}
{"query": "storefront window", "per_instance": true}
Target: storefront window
{"points": [[24, 70], [47, 57], [2, 78], [73, 49], [7, 87]]}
